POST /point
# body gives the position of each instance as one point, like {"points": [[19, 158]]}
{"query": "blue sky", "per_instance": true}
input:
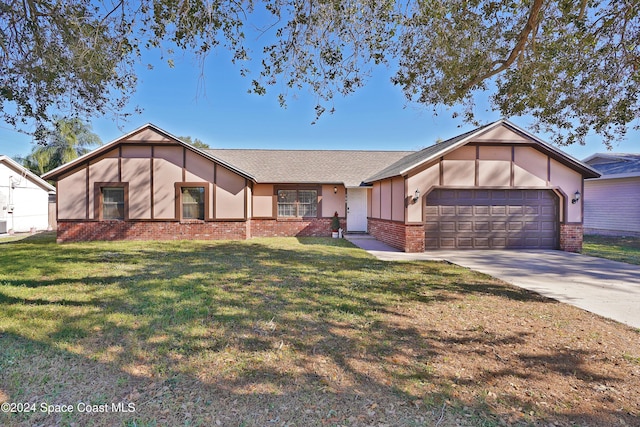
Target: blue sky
{"points": [[218, 110]]}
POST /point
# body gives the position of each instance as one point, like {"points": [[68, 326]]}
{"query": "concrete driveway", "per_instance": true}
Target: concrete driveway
{"points": [[607, 288]]}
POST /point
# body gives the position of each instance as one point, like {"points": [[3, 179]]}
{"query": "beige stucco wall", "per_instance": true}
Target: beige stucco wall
{"points": [[385, 199], [263, 201], [500, 133], [491, 166], [105, 169], [494, 166], [198, 168], [530, 167], [167, 170], [569, 181], [149, 135], [375, 200], [332, 203], [398, 199], [134, 151], [137, 172], [72, 195], [458, 173], [494, 173], [423, 180], [463, 153], [158, 166], [230, 196]]}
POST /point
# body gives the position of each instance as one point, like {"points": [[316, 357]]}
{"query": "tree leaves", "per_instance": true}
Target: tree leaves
{"points": [[574, 66], [65, 141]]}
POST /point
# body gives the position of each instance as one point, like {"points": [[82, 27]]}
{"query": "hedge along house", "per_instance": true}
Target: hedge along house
{"points": [[494, 187]]}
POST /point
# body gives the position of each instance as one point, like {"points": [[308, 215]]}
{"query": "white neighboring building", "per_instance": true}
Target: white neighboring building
{"points": [[612, 202], [24, 198]]}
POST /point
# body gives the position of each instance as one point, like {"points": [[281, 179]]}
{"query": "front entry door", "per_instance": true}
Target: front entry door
{"points": [[357, 210]]}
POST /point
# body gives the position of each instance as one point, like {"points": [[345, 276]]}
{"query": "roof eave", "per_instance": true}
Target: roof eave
{"points": [[21, 169], [586, 170], [55, 173], [617, 176], [455, 146]]}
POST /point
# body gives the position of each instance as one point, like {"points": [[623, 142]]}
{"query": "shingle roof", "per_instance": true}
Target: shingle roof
{"points": [[615, 163], [419, 157], [309, 166], [57, 172]]}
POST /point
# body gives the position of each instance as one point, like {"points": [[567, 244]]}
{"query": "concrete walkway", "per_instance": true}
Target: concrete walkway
{"points": [[607, 288]]}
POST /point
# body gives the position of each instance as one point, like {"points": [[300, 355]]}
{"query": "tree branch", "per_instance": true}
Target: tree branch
{"points": [[532, 23], [583, 8]]}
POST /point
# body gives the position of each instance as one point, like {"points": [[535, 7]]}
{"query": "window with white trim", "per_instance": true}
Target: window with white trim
{"points": [[297, 203]]}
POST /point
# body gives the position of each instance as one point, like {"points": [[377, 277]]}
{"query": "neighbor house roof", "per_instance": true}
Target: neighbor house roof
{"points": [[21, 170], [57, 172], [429, 154], [309, 166], [615, 165]]}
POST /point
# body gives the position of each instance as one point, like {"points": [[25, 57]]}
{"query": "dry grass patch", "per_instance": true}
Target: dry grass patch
{"points": [[295, 332]]}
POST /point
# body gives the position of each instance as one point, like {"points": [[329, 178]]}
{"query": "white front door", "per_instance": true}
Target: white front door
{"points": [[356, 210]]}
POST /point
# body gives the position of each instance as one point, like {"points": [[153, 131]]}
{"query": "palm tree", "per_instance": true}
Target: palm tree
{"points": [[68, 140]]}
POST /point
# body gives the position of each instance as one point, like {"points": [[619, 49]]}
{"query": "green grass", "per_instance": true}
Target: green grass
{"points": [[279, 331], [228, 312], [624, 249]]}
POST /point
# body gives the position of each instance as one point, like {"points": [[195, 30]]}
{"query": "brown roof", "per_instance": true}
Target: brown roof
{"points": [[309, 166], [416, 159]]}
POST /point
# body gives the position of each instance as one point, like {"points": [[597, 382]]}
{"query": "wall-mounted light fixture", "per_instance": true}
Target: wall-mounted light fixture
{"points": [[416, 196], [335, 190], [576, 197]]}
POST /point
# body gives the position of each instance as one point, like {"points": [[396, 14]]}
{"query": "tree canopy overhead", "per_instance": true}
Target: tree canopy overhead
{"points": [[573, 65]]}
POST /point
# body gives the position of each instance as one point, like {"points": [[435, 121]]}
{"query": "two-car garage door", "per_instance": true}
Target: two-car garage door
{"points": [[491, 219]]}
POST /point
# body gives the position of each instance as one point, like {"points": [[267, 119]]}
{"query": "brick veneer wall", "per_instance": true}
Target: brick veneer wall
{"points": [[414, 237], [78, 231], [571, 237], [313, 227], [409, 238]]}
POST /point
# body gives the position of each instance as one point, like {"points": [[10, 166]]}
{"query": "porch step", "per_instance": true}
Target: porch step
{"points": [[358, 236]]}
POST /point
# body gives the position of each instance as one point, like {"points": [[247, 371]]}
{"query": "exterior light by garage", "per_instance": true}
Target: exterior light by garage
{"points": [[335, 190], [416, 196], [576, 197]]}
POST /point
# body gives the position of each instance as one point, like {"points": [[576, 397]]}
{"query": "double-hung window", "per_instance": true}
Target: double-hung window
{"points": [[297, 203], [193, 202], [111, 201]]}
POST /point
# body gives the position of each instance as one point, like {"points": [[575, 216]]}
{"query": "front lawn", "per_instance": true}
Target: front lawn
{"points": [[625, 249], [293, 332]]}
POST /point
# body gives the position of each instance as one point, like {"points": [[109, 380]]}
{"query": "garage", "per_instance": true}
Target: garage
{"points": [[491, 219]]}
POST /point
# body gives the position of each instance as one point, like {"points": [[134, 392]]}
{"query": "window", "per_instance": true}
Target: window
{"points": [[297, 203], [112, 202], [193, 203]]}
